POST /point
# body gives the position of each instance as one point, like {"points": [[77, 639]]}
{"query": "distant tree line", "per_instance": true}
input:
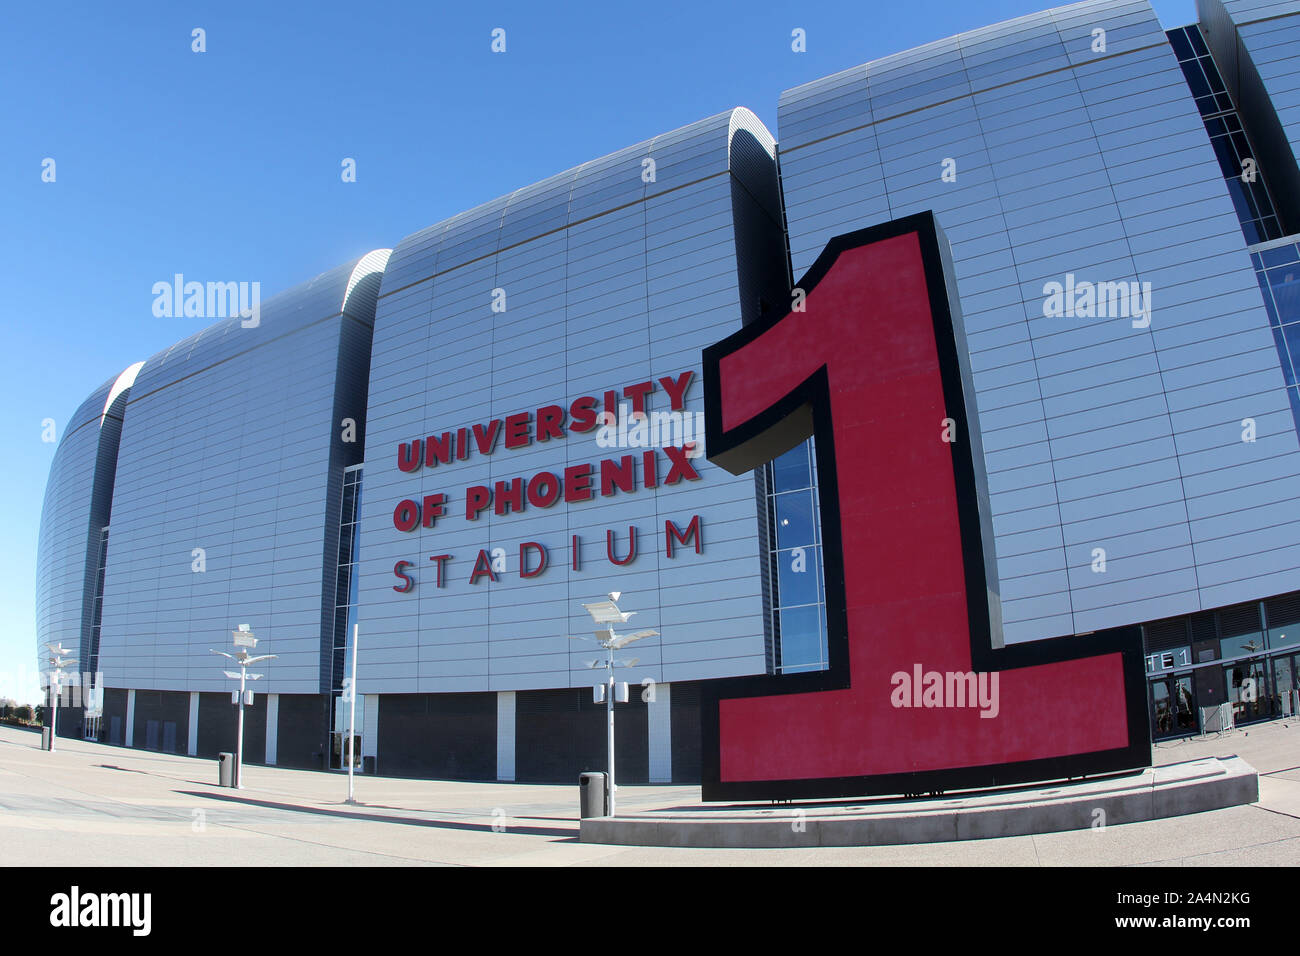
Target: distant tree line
{"points": [[12, 712]]}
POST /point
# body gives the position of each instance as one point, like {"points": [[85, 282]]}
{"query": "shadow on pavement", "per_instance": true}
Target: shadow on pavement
{"points": [[563, 834]]}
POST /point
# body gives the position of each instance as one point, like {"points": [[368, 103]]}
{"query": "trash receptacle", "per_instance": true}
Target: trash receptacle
{"points": [[591, 787], [45, 738], [226, 769], [368, 764]]}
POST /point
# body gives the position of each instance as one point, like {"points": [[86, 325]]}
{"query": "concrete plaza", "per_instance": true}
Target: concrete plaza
{"points": [[92, 804]]}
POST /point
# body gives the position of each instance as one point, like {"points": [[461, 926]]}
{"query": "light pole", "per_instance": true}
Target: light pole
{"points": [[57, 662], [607, 613], [350, 695], [243, 639]]}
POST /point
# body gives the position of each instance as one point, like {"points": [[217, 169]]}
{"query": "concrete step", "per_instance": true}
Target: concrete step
{"points": [[1173, 790]]}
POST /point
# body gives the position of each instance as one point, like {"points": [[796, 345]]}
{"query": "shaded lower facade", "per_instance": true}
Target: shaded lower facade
{"points": [[540, 736], [1206, 672]]}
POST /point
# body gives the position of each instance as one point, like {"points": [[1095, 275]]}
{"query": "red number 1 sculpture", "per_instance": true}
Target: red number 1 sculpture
{"points": [[872, 362]]}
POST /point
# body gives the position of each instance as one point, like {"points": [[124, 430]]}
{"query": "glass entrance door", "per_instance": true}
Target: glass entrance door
{"points": [[1286, 688], [337, 744], [1173, 706], [339, 735], [1249, 691], [1186, 720]]}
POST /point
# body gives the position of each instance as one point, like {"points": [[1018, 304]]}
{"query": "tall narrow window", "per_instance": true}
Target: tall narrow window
{"points": [[1237, 159], [795, 563]]}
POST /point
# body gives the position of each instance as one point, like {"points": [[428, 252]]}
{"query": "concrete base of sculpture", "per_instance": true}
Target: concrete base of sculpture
{"points": [[1173, 790]]}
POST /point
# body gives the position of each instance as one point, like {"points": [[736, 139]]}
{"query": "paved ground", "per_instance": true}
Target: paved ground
{"points": [[91, 804]]}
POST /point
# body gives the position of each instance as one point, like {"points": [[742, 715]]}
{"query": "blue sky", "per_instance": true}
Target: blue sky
{"points": [[226, 164]]}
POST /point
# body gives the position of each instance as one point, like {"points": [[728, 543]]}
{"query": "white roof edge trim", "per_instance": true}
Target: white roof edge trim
{"points": [[124, 381], [372, 262], [742, 117]]}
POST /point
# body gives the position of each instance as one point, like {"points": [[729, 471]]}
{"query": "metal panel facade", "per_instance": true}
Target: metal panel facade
{"points": [[78, 497], [613, 274], [226, 495], [1270, 35], [1253, 44], [1074, 160]]}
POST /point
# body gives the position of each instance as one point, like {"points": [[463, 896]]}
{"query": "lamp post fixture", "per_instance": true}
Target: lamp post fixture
{"points": [[350, 697], [243, 639], [57, 660], [607, 614]]}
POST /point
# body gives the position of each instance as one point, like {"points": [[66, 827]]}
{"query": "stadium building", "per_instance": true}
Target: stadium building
{"points": [[450, 446]]}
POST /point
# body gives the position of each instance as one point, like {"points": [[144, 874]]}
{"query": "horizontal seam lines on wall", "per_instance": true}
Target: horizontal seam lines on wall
{"points": [[551, 232], [229, 358], [963, 96]]}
